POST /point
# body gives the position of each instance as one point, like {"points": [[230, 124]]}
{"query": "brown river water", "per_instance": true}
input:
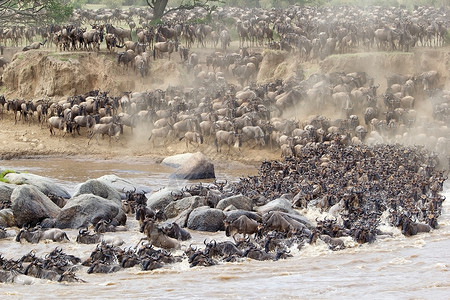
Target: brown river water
{"points": [[395, 267]]}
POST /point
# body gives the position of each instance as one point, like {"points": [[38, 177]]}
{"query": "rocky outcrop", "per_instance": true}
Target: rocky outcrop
{"points": [[205, 218], [238, 201], [98, 188], [162, 198], [122, 185], [84, 209], [198, 166], [43, 184], [30, 206], [280, 204], [6, 190]]}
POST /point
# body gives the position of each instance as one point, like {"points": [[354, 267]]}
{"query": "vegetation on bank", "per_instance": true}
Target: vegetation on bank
{"points": [[2, 175]]}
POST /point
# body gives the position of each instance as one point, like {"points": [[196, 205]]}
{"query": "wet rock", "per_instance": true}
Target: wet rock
{"points": [[30, 206], [177, 160], [239, 201], [174, 208], [6, 190], [280, 204], [7, 218], [44, 184], [98, 188], [197, 167], [83, 209], [122, 185], [205, 218], [162, 198]]}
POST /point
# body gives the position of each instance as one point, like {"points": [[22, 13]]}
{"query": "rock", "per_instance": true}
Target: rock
{"points": [[44, 184], [177, 160], [7, 218], [174, 208], [234, 214], [122, 185], [30, 206], [6, 190], [162, 198], [205, 218], [98, 188], [197, 167], [280, 204], [83, 209], [239, 201]]}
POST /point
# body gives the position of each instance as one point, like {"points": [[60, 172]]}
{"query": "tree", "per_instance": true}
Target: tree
{"points": [[16, 12], [159, 6]]}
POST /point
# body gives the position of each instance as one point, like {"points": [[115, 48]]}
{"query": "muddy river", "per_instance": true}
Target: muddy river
{"points": [[396, 267]]}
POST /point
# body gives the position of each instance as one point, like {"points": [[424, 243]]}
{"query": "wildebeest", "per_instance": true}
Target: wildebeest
{"points": [[163, 133], [156, 236], [59, 123], [174, 230], [243, 225], [162, 47], [192, 137], [34, 46], [253, 133], [228, 138], [85, 237], [37, 234], [112, 130]]}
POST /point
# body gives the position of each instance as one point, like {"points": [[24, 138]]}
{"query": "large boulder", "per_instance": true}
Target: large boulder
{"points": [[98, 188], [30, 206], [280, 204], [177, 160], [122, 185], [174, 208], [162, 198], [239, 201], [6, 190], [44, 184], [205, 218], [197, 167], [84, 209]]}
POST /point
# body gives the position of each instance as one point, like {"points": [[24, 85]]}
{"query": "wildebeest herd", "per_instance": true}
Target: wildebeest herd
{"points": [[342, 167], [355, 189]]}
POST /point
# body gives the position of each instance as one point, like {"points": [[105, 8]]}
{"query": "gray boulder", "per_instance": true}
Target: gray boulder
{"points": [[197, 167], [239, 201], [177, 160], [44, 184], [7, 218], [30, 206], [98, 188], [174, 208], [6, 190], [122, 185], [162, 198], [280, 204], [83, 209], [205, 218]]}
